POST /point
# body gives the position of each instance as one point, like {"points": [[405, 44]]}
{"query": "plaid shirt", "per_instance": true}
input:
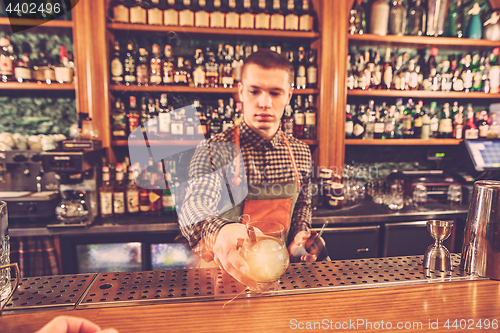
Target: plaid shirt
{"points": [[266, 162]]}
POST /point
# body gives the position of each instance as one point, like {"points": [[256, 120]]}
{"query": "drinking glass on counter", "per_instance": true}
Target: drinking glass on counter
{"points": [[395, 199], [419, 194], [266, 253], [455, 194]]}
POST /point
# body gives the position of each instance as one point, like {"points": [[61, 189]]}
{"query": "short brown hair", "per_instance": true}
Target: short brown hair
{"points": [[268, 59]]}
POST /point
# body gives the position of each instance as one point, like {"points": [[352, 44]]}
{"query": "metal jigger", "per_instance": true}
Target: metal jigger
{"points": [[437, 258]]}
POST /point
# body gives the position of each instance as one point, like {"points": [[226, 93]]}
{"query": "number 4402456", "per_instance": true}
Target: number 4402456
{"points": [[31, 8], [471, 324]]}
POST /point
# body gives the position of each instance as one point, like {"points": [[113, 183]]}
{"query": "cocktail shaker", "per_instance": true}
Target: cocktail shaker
{"points": [[5, 285], [481, 248]]}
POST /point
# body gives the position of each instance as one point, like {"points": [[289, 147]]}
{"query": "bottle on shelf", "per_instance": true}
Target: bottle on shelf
{"points": [[456, 19], [155, 66], [119, 122], [7, 59], [211, 69], [63, 71], [445, 129], [227, 72], [300, 71], [199, 69], [357, 18], [397, 19], [132, 193], [215, 124], [298, 118], [262, 16], [379, 19], [130, 77], [144, 204], [287, 120], [387, 70], [237, 63], [306, 17], [309, 118], [408, 120], [143, 68], [232, 15], [164, 117], [117, 65], [180, 74], [349, 123], [119, 192], [494, 72], [106, 194], [133, 114], [379, 124], [458, 123], [418, 121], [22, 71], [291, 17], [470, 129], [201, 15], [168, 66], [155, 13], [477, 72], [417, 16], [466, 74], [434, 121], [177, 125], [312, 69], [247, 17], [167, 198], [359, 123], [277, 17], [483, 125], [217, 18], [171, 14], [152, 123], [155, 194], [119, 11], [186, 14], [138, 12], [390, 123]]}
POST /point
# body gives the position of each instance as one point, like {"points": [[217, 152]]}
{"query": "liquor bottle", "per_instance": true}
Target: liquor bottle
{"points": [[417, 19], [7, 61], [215, 123], [167, 198], [350, 80], [262, 16], [413, 76], [201, 16], [143, 118], [155, 66], [483, 126], [390, 123], [310, 118], [370, 120], [434, 122], [132, 193], [199, 69], [387, 70], [180, 74], [119, 12], [458, 123], [177, 125], [22, 72], [445, 129], [277, 17], [470, 129], [143, 68], [494, 72], [217, 19], [237, 63], [144, 204], [171, 14], [119, 122], [458, 82], [152, 123], [202, 124], [456, 20], [300, 72], [360, 119], [227, 75], [467, 74], [379, 127], [155, 13], [397, 19], [106, 194], [130, 65], [298, 118], [446, 76], [232, 16], [349, 123], [247, 17], [426, 126], [133, 115], [494, 130], [163, 117], [312, 69], [117, 65], [186, 15], [357, 18], [119, 192], [379, 19], [291, 17], [287, 120], [418, 122], [211, 69], [138, 12], [168, 66], [477, 72], [228, 121], [408, 120], [156, 192], [306, 17]]}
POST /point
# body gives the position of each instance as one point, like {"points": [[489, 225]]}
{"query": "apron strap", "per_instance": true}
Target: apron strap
{"points": [[236, 180]]}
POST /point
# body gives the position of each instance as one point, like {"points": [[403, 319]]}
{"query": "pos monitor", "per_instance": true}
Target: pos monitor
{"points": [[485, 154]]}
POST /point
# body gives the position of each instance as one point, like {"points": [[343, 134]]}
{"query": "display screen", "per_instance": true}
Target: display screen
{"points": [[172, 256], [109, 257], [485, 154]]}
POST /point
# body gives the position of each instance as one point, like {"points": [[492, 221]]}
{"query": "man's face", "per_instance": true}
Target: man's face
{"points": [[264, 93]]}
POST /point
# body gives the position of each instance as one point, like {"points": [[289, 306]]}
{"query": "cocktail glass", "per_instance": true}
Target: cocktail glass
{"points": [[266, 253]]}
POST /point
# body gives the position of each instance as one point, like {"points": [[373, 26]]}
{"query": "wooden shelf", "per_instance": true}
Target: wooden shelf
{"points": [[124, 143], [37, 86], [422, 42], [402, 142], [185, 89], [420, 94], [224, 32], [64, 24]]}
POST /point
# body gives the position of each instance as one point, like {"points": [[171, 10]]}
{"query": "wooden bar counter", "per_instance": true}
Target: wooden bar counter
{"points": [[413, 308]]}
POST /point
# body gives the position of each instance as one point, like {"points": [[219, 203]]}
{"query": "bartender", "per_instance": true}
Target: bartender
{"points": [[273, 172]]}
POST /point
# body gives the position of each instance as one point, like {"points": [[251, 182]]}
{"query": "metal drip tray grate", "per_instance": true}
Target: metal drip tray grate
{"points": [[49, 292], [154, 287]]}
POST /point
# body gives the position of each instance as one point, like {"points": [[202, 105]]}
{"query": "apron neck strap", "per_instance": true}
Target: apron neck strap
{"points": [[236, 178]]}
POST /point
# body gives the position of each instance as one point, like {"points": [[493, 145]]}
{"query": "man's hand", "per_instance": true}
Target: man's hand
{"points": [[304, 240], [69, 324], [227, 256]]}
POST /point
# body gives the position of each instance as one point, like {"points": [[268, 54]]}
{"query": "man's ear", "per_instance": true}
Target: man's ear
{"points": [[240, 90], [290, 94]]}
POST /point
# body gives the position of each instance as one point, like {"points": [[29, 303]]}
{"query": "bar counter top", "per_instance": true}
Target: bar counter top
{"points": [[365, 213], [422, 308]]}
